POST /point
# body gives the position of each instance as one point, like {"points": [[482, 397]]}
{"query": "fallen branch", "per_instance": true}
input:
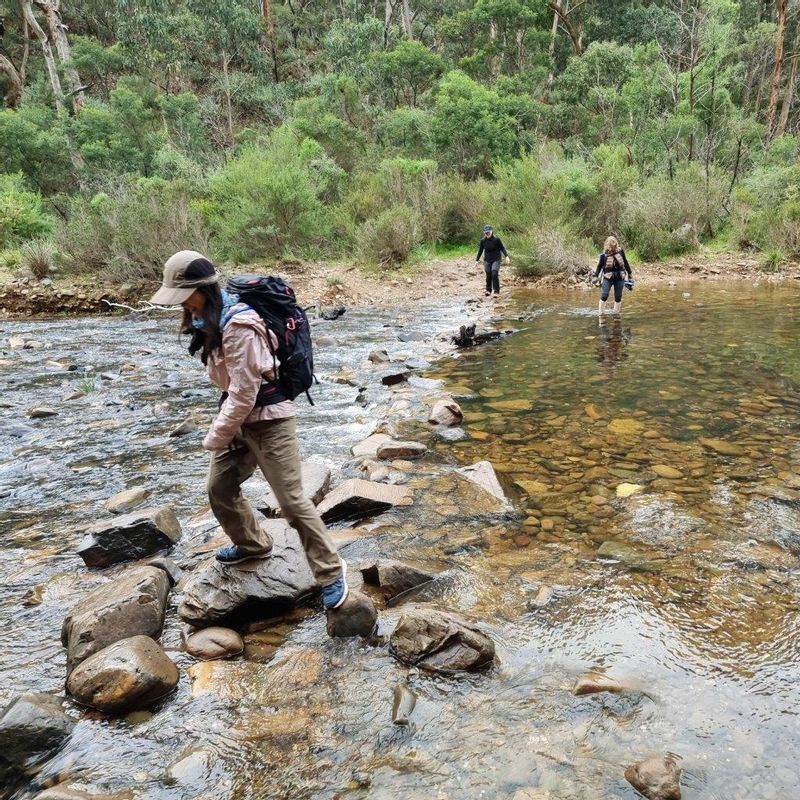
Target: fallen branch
{"points": [[147, 306]]}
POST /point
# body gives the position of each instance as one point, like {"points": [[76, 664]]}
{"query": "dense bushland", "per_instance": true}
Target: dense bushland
{"points": [[377, 133]]}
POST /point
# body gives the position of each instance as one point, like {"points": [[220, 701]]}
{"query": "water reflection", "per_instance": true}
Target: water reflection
{"points": [[612, 341]]}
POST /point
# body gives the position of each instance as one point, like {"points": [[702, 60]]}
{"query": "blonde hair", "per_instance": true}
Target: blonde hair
{"points": [[611, 245]]}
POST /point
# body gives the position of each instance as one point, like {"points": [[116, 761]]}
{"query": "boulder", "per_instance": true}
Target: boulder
{"points": [[369, 447], [391, 450], [482, 474], [441, 642], [32, 727], [130, 605], [446, 412], [129, 536], [125, 501], [656, 778], [213, 643], [128, 675], [357, 499], [316, 482], [394, 577], [357, 616], [269, 586]]}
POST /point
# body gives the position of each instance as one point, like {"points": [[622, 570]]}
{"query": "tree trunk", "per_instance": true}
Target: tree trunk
{"points": [[407, 21], [494, 61], [58, 35], [268, 21], [791, 86], [227, 87], [49, 61], [388, 13], [14, 82], [772, 106], [551, 50]]}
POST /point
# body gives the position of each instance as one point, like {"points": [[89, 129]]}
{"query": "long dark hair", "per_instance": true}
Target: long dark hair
{"points": [[209, 337]]}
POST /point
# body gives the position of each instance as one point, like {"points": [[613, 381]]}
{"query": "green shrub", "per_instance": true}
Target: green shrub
{"points": [[10, 259], [389, 239], [551, 251], [772, 259], [268, 201], [663, 217], [22, 215], [129, 231]]}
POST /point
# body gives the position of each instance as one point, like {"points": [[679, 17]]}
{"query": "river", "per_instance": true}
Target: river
{"points": [[685, 591]]}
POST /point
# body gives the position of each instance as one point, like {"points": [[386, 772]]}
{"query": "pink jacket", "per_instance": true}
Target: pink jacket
{"points": [[238, 368]]}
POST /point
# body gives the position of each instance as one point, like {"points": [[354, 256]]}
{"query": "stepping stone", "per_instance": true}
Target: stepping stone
{"points": [[357, 499]]}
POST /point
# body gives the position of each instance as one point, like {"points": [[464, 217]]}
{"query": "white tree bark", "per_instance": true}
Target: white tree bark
{"points": [[47, 52], [58, 35]]}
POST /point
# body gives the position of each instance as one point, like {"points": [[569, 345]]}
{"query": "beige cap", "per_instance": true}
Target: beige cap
{"points": [[183, 273]]}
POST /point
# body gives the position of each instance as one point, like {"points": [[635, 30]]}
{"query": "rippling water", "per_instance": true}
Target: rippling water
{"points": [[692, 600]]}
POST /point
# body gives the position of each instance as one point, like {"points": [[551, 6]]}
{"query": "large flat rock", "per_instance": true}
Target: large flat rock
{"points": [[130, 674], [316, 482], [357, 499], [369, 447], [131, 605], [129, 536], [215, 592]]}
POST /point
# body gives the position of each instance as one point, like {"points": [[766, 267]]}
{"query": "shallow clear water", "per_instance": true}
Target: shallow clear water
{"points": [[694, 603]]}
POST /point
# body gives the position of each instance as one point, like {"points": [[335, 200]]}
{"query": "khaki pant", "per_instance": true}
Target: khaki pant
{"points": [[272, 446]]}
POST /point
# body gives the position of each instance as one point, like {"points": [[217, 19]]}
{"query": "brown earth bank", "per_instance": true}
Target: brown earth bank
{"points": [[327, 285]]}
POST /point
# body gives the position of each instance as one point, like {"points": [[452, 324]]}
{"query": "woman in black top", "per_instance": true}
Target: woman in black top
{"points": [[616, 270], [491, 247]]}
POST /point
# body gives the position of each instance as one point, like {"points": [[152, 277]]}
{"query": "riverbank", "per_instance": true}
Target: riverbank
{"points": [[326, 285]]}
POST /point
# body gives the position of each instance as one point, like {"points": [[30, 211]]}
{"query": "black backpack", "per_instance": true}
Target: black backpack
{"points": [[274, 301]]}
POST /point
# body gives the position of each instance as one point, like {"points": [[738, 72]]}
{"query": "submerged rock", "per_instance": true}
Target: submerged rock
{"points": [[395, 577], [129, 536], [357, 499], [32, 727], [125, 501], [594, 682], [441, 642], [316, 480], [67, 793], [722, 447], [629, 489], [391, 450], [212, 643], [267, 586], [446, 412], [357, 616], [128, 675], [131, 605], [403, 703], [656, 778]]}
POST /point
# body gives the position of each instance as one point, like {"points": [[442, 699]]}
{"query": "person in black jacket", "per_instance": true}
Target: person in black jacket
{"points": [[616, 273], [490, 247]]}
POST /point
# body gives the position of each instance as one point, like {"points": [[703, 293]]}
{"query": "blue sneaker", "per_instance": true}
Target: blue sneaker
{"points": [[334, 594], [232, 554]]}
